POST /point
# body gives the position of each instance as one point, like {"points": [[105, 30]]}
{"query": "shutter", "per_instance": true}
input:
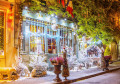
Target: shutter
{"points": [[1, 32]]}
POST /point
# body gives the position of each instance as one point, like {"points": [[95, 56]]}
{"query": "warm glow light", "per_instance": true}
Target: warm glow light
{"points": [[39, 16], [8, 29], [8, 11], [11, 17], [7, 71]]}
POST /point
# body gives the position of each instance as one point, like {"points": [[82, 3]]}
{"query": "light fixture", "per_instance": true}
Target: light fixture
{"points": [[65, 19], [26, 7], [56, 16], [52, 15]]}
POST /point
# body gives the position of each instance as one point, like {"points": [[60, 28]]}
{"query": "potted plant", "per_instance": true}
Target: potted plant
{"points": [[57, 62]]}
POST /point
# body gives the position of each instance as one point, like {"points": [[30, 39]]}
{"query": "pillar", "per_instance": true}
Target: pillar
{"points": [[114, 51]]}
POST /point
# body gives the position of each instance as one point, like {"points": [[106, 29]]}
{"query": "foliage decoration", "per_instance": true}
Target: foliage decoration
{"points": [[91, 16], [107, 51]]}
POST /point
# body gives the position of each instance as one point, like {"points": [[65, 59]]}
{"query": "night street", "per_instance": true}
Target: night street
{"points": [[109, 78], [59, 41]]}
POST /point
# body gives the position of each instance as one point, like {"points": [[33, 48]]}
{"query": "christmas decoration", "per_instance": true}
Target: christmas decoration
{"points": [[21, 69], [39, 66], [65, 70], [57, 62]]}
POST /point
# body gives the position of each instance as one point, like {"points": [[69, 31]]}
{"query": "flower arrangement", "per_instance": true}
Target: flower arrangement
{"points": [[56, 60]]}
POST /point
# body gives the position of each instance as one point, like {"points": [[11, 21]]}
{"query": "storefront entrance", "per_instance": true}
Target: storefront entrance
{"points": [[40, 38]]}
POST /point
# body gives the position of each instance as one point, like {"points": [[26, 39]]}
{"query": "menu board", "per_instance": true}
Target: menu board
{"points": [[1, 33]]}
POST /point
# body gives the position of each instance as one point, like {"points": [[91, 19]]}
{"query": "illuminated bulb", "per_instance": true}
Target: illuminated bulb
{"points": [[52, 15], [65, 19], [26, 7], [56, 16], [48, 18]]}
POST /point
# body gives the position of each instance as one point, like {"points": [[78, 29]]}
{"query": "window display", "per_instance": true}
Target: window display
{"points": [[51, 39], [63, 38], [33, 36], [41, 38]]}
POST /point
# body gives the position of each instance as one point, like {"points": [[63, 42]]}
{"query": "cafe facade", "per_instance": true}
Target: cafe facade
{"points": [[45, 35]]}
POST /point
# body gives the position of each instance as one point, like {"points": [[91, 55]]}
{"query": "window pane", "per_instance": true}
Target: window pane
{"points": [[53, 41], [54, 50], [32, 28], [40, 45], [35, 28], [48, 30], [49, 41], [35, 38], [49, 49], [43, 45], [39, 29], [54, 32], [1, 33]]}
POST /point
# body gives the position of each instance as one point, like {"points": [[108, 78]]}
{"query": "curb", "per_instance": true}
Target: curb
{"points": [[86, 77]]}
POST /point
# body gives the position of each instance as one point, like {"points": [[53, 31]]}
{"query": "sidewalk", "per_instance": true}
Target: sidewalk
{"points": [[74, 76], [88, 73]]}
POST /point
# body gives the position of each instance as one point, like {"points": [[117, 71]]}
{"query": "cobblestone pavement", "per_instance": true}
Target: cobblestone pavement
{"points": [[49, 78]]}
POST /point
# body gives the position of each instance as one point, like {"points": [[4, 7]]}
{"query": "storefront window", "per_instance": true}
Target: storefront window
{"points": [[1, 33], [34, 37], [51, 39], [52, 45], [39, 35], [63, 38]]}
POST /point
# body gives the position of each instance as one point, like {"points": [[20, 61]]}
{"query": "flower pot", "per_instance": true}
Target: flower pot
{"points": [[57, 71]]}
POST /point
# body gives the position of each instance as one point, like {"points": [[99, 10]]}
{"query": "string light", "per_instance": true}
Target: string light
{"points": [[56, 16], [52, 15], [26, 7], [65, 19]]}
